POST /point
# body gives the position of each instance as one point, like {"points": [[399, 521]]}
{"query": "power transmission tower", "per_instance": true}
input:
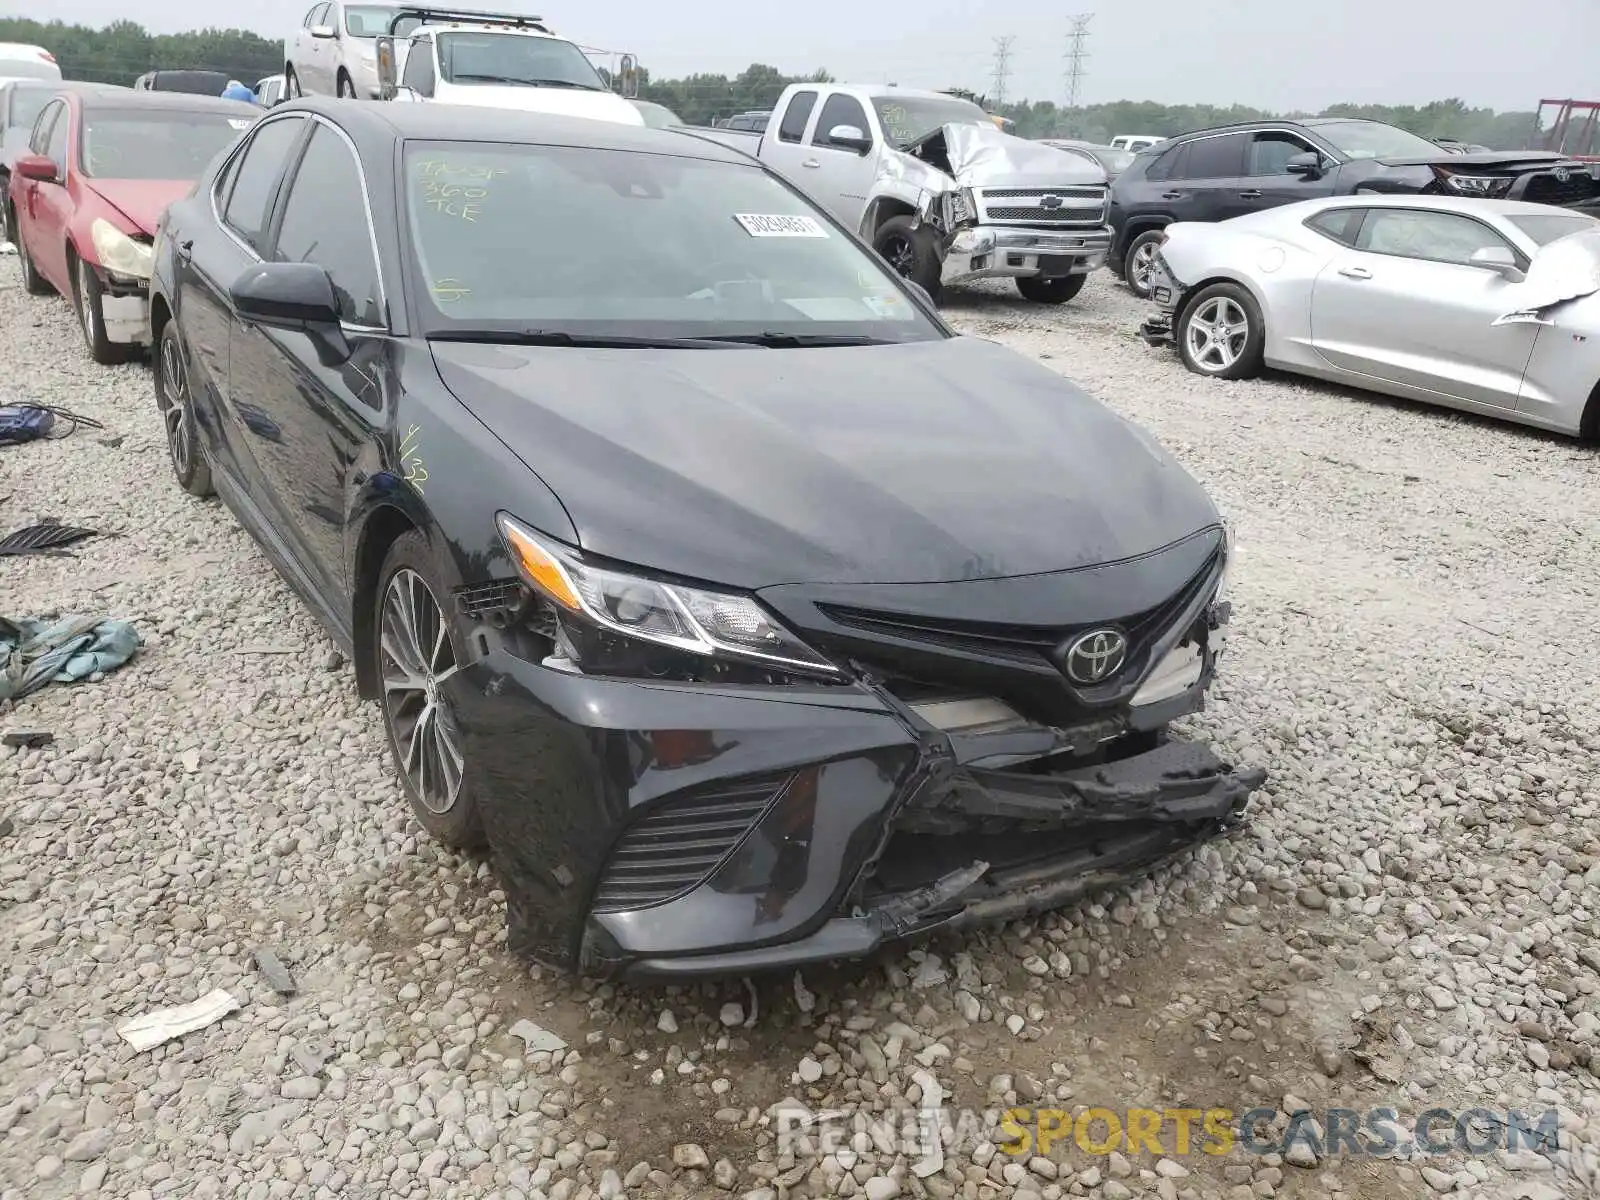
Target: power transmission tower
{"points": [[1077, 36], [1002, 70]]}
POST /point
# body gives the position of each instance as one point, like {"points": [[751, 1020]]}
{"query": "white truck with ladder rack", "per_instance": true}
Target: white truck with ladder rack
{"points": [[498, 60]]}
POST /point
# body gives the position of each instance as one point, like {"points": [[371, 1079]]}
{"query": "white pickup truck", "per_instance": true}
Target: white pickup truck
{"points": [[494, 60], [936, 188]]}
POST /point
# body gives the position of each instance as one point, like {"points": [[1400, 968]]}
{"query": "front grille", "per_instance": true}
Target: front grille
{"points": [[673, 848], [1547, 189], [1079, 206]]}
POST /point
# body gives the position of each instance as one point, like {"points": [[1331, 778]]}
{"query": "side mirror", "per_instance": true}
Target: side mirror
{"points": [[324, 31], [1500, 260], [37, 166], [294, 296], [849, 137], [1308, 164], [388, 75]]}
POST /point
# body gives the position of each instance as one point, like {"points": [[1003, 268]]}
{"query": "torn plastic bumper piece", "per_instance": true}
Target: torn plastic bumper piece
{"points": [[1135, 815], [1156, 329]]}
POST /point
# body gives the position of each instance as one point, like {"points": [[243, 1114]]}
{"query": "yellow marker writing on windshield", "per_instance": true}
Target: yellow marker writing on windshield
{"points": [[448, 291]]}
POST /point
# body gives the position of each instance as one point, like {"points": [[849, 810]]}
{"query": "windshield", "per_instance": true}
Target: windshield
{"points": [[1544, 229], [26, 103], [1372, 139], [367, 20], [907, 119], [149, 144], [578, 240], [516, 59]]}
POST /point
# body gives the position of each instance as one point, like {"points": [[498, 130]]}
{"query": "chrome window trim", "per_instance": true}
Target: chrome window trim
{"points": [[366, 200]]}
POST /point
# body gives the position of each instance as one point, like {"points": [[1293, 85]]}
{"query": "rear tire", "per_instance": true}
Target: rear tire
{"points": [[1220, 333], [1050, 291], [1136, 267], [417, 652], [912, 250], [176, 405]]}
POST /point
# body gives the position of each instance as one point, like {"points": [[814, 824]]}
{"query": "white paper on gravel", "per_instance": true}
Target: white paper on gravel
{"points": [[167, 1023]]}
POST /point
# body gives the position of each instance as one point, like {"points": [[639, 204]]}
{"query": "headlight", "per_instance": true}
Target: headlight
{"points": [[119, 253], [1488, 186], [963, 207], [691, 620]]}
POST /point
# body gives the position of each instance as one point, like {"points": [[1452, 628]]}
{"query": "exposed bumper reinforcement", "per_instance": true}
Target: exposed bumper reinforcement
{"points": [[999, 251]]}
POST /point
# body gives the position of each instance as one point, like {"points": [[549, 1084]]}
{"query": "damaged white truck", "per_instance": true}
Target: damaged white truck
{"points": [[941, 193]]}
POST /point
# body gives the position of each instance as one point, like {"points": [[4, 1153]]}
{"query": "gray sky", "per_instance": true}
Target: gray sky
{"points": [[1276, 54]]}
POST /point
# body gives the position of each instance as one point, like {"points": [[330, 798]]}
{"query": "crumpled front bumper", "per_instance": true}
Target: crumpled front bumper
{"points": [[1002, 251], [659, 829], [1166, 293]]}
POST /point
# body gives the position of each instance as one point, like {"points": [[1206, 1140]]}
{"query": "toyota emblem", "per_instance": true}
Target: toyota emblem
{"points": [[1051, 201], [1561, 174], [1095, 656]]}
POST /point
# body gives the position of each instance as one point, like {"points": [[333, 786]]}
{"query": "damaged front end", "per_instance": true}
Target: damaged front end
{"points": [[1563, 271], [959, 802], [1001, 205], [1166, 294]]}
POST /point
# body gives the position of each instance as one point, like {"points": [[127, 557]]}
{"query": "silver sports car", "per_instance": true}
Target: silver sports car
{"points": [[1487, 305]]}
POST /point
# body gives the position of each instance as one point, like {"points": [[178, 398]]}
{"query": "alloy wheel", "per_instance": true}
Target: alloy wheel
{"points": [[172, 397], [416, 659], [897, 251], [1216, 333], [1144, 259]]}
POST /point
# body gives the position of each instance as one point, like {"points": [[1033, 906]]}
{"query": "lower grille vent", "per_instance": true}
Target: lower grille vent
{"points": [[672, 849]]}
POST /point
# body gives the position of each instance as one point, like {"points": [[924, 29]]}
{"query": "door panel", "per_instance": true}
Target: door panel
{"points": [[845, 175], [1265, 177], [307, 412], [783, 145], [1420, 324], [51, 205], [1206, 181]]}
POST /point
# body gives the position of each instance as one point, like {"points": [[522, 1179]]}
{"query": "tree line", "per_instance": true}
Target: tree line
{"points": [[124, 50]]}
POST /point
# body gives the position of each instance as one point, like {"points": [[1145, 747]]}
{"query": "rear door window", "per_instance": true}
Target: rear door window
{"points": [[1220, 157], [793, 126], [255, 179]]}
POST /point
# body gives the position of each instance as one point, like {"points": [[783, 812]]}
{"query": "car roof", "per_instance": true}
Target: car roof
{"points": [[1463, 204], [382, 123], [141, 101], [80, 86]]}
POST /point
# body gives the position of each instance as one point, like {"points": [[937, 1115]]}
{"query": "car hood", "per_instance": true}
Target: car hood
{"points": [[142, 201], [1492, 163], [983, 156], [1564, 270], [926, 462], [561, 102]]}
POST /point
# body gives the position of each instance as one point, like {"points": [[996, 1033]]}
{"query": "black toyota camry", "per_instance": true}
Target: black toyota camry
{"points": [[746, 614]]}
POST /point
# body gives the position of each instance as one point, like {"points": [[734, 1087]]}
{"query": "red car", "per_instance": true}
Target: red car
{"points": [[86, 198]]}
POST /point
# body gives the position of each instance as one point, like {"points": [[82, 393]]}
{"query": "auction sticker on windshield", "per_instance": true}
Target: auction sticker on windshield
{"points": [[778, 225]]}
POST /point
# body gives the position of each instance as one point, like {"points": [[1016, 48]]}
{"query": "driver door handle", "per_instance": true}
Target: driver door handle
{"points": [[1172, 195], [1355, 272], [1251, 194], [810, 162]]}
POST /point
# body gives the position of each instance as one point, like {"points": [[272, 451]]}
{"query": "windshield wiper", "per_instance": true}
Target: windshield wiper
{"points": [[801, 341], [602, 341]]}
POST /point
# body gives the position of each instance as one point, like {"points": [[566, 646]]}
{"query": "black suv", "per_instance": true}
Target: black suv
{"points": [[1214, 174]]}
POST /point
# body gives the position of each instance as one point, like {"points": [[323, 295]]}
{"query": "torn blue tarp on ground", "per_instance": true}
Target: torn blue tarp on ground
{"points": [[36, 652]]}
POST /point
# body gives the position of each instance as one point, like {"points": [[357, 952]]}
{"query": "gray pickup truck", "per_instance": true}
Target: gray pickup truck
{"points": [[936, 188]]}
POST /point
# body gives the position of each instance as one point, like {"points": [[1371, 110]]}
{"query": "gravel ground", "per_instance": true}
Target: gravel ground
{"points": [[1409, 919]]}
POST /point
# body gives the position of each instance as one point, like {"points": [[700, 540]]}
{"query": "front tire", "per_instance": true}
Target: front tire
{"points": [[1141, 259], [176, 405], [417, 654], [291, 83], [912, 250], [1220, 333], [1050, 291], [92, 319], [33, 283]]}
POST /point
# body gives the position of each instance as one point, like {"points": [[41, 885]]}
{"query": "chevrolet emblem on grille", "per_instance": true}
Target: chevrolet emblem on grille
{"points": [[1095, 656], [1051, 201]]}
